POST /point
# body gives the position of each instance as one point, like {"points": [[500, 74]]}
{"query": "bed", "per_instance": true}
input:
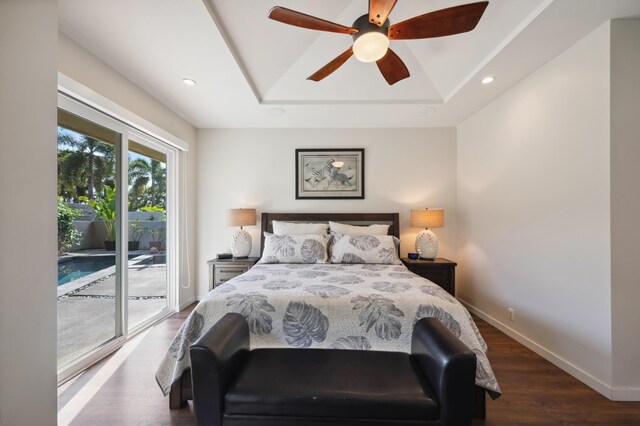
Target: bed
{"points": [[322, 305]]}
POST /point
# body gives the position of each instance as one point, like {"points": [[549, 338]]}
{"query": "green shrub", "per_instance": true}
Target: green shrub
{"points": [[105, 209], [137, 231], [67, 235]]}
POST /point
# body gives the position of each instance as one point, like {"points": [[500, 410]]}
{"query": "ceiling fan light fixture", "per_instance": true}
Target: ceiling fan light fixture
{"points": [[371, 46], [371, 33]]}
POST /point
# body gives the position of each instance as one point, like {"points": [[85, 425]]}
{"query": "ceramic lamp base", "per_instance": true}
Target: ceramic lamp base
{"points": [[427, 244], [241, 243]]}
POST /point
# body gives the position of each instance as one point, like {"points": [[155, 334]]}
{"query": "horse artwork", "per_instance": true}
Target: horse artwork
{"points": [[329, 174]]}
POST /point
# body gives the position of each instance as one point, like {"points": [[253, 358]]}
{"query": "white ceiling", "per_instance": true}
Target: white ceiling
{"points": [[247, 65]]}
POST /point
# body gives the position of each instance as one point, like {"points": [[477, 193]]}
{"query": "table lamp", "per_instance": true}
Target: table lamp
{"points": [[241, 242], [426, 240]]}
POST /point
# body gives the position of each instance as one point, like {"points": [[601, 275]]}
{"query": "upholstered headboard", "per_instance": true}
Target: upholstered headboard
{"points": [[392, 219]]}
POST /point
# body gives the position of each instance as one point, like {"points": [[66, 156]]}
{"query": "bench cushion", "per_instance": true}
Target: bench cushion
{"points": [[331, 383]]}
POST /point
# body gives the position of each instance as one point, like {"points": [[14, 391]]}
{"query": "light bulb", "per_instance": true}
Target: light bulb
{"points": [[371, 46]]}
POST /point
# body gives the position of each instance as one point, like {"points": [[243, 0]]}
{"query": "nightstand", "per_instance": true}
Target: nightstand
{"points": [[222, 270], [440, 271]]}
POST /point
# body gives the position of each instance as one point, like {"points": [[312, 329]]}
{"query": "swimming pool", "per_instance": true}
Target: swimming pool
{"points": [[72, 268]]}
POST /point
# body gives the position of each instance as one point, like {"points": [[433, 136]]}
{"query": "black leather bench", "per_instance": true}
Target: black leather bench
{"points": [[434, 385]]}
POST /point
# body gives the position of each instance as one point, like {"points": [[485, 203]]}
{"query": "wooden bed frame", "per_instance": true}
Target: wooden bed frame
{"points": [[181, 392], [391, 219]]}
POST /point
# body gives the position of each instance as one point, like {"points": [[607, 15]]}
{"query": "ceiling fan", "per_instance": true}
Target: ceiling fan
{"points": [[371, 33]]}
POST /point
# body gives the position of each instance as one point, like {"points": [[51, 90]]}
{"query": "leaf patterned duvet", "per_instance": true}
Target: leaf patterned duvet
{"points": [[359, 306]]}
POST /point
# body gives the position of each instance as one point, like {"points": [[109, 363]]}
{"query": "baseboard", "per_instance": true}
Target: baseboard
{"points": [[586, 378], [186, 304], [626, 393]]}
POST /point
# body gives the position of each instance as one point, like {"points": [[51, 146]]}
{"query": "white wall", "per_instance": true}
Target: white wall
{"points": [[28, 247], [404, 169], [79, 64], [533, 211], [625, 206]]}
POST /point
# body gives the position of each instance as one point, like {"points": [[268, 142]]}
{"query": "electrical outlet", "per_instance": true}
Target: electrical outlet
{"points": [[512, 315]]}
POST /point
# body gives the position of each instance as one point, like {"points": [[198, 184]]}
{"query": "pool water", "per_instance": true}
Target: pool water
{"points": [[70, 269]]}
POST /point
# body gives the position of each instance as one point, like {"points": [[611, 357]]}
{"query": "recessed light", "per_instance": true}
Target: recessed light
{"points": [[276, 112], [189, 82], [488, 79]]}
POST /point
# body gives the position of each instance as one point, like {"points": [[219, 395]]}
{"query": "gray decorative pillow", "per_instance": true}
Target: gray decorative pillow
{"points": [[365, 249], [310, 248]]}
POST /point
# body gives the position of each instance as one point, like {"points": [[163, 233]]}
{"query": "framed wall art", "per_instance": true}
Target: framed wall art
{"points": [[331, 174]]}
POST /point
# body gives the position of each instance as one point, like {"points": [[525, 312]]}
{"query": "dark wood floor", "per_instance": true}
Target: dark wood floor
{"points": [[535, 392]]}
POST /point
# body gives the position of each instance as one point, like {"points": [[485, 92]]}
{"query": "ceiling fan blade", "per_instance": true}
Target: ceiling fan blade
{"points": [[392, 68], [379, 10], [299, 19], [331, 66], [445, 22]]}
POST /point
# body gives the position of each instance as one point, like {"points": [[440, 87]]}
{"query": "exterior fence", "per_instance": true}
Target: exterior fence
{"points": [[94, 232]]}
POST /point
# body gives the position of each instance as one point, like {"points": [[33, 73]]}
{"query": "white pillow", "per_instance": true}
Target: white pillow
{"points": [[292, 228], [310, 248], [344, 229], [365, 249]]}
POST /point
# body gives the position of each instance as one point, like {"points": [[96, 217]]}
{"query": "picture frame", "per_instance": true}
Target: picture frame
{"points": [[330, 174]]}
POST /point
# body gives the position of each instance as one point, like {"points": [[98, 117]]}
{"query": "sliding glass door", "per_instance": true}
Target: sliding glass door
{"points": [[147, 275], [88, 282], [116, 242]]}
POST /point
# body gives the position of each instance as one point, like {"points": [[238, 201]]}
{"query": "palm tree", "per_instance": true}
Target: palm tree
{"points": [[148, 180], [85, 164], [68, 179]]}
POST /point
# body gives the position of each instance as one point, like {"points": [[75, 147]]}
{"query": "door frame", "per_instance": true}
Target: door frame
{"points": [[68, 102]]}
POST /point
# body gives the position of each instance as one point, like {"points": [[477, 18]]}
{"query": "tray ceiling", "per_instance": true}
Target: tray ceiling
{"points": [[246, 65]]}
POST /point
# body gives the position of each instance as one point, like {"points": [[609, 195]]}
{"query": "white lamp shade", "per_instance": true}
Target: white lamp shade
{"points": [[242, 217], [371, 46], [427, 218]]}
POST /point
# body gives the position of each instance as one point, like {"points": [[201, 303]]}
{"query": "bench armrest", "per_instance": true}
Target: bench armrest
{"points": [[450, 368], [216, 357]]}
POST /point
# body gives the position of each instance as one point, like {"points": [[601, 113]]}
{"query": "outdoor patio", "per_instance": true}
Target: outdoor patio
{"points": [[87, 306]]}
